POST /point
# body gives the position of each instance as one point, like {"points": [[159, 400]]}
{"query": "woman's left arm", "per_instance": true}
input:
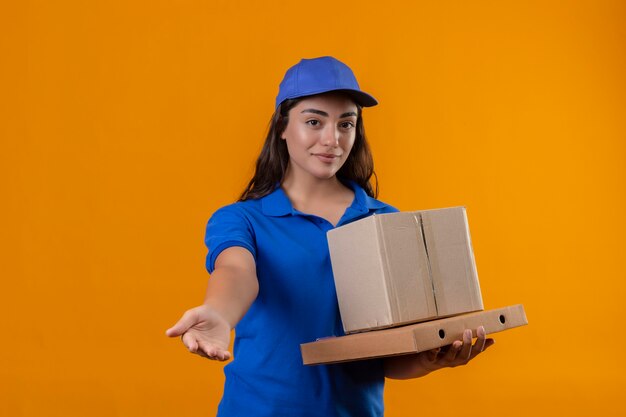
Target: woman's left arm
{"points": [[423, 363]]}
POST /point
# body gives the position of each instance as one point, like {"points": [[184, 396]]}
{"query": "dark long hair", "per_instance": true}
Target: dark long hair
{"points": [[272, 162]]}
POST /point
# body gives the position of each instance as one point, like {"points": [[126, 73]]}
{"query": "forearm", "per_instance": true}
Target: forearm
{"points": [[233, 285]]}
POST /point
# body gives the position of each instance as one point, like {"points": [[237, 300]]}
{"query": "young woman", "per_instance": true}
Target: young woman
{"points": [[271, 277]]}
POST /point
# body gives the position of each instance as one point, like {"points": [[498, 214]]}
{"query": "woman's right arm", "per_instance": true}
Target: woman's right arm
{"points": [[232, 288]]}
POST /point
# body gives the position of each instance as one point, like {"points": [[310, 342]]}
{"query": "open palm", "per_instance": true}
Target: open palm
{"points": [[204, 332]]}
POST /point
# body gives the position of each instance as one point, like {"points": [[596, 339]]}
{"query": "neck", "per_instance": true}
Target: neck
{"points": [[305, 188]]}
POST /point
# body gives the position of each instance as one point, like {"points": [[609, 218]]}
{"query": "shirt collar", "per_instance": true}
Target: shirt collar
{"points": [[362, 199], [277, 203]]}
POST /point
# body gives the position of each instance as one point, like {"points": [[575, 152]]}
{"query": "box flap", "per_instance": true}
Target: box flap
{"points": [[451, 258], [411, 289]]}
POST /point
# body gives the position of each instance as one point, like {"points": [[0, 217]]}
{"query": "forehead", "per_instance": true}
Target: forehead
{"points": [[334, 102]]}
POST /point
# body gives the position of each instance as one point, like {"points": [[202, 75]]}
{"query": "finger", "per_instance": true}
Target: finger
{"points": [[214, 352], [201, 353], [190, 342], [186, 321], [488, 342], [481, 340], [479, 346], [433, 353], [466, 351], [224, 355], [453, 350], [219, 354]]}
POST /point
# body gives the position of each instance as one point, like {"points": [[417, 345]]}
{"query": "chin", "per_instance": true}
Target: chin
{"points": [[321, 175], [324, 176]]}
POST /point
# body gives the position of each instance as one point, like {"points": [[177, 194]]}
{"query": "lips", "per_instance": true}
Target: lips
{"points": [[327, 158]]}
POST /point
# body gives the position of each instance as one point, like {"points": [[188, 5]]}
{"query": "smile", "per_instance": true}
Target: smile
{"points": [[326, 157]]}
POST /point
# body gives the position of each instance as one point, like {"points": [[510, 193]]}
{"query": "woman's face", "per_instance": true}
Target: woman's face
{"points": [[319, 134]]}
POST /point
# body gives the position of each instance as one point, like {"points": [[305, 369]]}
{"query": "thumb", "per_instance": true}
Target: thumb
{"points": [[186, 321]]}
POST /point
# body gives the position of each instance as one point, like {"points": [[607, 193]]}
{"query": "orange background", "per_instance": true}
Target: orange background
{"points": [[124, 125]]}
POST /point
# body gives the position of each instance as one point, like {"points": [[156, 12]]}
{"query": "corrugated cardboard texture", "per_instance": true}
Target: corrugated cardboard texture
{"points": [[399, 268], [363, 276], [451, 260], [412, 338], [407, 274]]}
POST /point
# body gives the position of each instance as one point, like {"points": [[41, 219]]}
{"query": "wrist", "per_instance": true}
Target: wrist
{"points": [[217, 313], [407, 367]]}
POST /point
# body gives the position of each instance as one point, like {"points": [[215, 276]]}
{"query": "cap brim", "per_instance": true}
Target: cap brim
{"points": [[361, 98]]}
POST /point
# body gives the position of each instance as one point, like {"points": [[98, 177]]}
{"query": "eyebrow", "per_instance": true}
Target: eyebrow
{"points": [[323, 113]]}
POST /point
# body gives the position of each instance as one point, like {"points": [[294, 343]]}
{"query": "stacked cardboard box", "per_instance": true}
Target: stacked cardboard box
{"points": [[400, 268], [396, 269]]}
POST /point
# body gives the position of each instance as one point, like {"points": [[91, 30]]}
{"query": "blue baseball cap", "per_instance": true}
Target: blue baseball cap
{"points": [[321, 75]]}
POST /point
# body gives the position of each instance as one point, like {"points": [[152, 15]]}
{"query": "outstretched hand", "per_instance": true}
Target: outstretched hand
{"points": [[204, 332], [460, 352]]}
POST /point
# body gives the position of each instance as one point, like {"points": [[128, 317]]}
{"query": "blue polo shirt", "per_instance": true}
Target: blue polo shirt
{"points": [[296, 304]]}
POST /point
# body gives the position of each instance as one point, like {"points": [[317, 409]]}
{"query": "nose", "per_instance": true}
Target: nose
{"points": [[330, 136]]}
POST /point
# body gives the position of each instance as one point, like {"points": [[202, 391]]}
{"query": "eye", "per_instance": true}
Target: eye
{"points": [[346, 125], [313, 122]]}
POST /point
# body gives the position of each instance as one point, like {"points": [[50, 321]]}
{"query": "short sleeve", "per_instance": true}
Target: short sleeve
{"points": [[227, 227]]}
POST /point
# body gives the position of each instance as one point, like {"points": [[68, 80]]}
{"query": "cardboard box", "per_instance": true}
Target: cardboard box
{"points": [[412, 338], [399, 268]]}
